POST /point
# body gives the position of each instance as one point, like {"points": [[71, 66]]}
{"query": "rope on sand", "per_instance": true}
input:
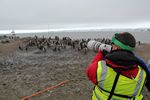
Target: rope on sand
{"points": [[46, 89]]}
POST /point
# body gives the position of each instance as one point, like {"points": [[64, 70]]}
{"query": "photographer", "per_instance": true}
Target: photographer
{"points": [[119, 74]]}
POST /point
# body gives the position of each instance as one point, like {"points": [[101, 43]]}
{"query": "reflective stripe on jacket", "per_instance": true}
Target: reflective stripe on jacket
{"points": [[113, 86]]}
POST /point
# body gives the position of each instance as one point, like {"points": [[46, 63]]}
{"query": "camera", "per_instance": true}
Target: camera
{"points": [[98, 46]]}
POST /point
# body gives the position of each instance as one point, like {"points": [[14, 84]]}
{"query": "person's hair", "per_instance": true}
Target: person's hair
{"points": [[124, 40]]}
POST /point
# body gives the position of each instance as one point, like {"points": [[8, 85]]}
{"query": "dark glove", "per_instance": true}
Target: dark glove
{"points": [[105, 52], [147, 84]]}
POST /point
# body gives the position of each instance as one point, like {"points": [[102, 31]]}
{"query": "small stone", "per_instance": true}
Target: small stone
{"points": [[4, 84]]}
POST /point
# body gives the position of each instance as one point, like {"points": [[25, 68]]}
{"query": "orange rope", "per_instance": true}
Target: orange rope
{"points": [[49, 88]]}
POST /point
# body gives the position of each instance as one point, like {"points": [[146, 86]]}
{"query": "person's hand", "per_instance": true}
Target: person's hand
{"points": [[105, 52]]}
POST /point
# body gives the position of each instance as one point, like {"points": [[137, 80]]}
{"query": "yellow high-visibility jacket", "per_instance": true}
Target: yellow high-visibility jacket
{"points": [[114, 86]]}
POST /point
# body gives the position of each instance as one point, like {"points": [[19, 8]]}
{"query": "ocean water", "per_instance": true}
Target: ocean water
{"points": [[143, 36]]}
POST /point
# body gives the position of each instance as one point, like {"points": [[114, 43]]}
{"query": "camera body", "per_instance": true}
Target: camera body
{"points": [[98, 46]]}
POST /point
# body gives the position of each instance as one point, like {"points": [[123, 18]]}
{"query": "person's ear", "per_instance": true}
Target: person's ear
{"points": [[115, 47]]}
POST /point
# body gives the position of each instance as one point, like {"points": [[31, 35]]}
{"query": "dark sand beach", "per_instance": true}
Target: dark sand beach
{"points": [[23, 73]]}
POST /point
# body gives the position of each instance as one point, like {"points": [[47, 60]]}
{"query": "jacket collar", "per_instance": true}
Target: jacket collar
{"points": [[123, 58]]}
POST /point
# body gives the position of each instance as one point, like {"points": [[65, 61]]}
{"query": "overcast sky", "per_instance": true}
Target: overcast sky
{"points": [[41, 14]]}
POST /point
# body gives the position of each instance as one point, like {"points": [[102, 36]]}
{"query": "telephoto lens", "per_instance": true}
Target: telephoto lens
{"points": [[98, 46], [93, 45]]}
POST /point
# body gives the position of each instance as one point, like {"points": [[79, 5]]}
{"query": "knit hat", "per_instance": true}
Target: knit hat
{"points": [[124, 40]]}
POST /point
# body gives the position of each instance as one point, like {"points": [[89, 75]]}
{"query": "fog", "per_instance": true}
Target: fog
{"points": [[49, 14]]}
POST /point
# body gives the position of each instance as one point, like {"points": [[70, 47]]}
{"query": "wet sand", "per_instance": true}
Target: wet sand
{"points": [[23, 73]]}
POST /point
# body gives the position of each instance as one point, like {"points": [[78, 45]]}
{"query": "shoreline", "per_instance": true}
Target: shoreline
{"points": [[142, 36]]}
